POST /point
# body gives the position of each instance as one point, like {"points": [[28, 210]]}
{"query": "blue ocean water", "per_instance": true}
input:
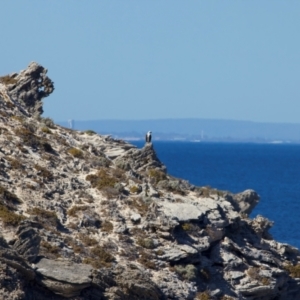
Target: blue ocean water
{"points": [[272, 170]]}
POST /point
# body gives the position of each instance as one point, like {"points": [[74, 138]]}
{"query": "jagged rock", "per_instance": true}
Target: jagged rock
{"points": [[245, 201], [28, 242], [32, 85], [261, 225]]}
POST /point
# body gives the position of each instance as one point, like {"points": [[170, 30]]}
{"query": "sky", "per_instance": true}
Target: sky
{"points": [[155, 59]]}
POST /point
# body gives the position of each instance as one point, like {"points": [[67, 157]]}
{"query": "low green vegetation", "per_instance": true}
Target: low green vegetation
{"points": [[186, 272], [90, 132], [46, 130], [146, 243]]}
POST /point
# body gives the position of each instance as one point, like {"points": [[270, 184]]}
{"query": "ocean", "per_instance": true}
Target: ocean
{"points": [[272, 170]]}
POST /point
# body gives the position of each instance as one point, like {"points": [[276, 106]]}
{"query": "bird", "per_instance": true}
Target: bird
{"points": [[148, 137]]}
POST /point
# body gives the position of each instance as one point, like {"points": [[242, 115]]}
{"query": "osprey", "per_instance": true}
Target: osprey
{"points": [[148, 137]]}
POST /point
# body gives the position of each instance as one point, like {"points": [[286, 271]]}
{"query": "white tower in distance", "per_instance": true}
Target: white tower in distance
{"points": [[71, 124]]}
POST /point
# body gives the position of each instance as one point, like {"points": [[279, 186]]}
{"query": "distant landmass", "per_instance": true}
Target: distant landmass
{"points": [[194, 130]]}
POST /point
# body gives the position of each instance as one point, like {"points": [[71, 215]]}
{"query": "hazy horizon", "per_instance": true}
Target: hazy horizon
{"points": [[233, 60], [158, 119]]}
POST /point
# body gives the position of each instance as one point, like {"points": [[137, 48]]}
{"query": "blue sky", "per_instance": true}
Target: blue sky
{"points": [[159, 59]]}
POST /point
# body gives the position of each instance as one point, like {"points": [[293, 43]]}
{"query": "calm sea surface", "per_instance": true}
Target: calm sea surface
{"points": [[272, 170]]}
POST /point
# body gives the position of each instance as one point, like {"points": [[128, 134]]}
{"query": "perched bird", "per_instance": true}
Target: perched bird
{"points": [[148, 137]]}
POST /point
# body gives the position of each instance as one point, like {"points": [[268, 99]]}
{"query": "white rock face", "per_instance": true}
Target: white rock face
{"points": [[182, 212]]}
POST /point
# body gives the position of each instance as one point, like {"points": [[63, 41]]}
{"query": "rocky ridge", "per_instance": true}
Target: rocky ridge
{"points": [[85, 216]]}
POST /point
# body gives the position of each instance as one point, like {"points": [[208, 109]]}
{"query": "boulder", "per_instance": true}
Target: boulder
{"points": [[64, 277]]}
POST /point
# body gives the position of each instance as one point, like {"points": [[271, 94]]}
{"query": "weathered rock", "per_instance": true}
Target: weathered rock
{"points": [[179, 252], [28, 242], [245, 201], [182, 212], [64, 278], [32, 85]]}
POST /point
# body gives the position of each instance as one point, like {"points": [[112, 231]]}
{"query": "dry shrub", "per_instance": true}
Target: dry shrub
{"points": [[107, 226], [146, 259], [8, 198], [293, 270], [134, 189], [18, 118], [43, 172], [8, 80], [156, 175], [253, 272], [72, 212], [15, 163], [99, 258], [21, 148], [147, 243], [203, 296], [76, 152], [9, 218], [106, 179], [140, 205], [50, 249], [265, 281], [27, 136], [48, 122], [46, 217], [206, 191], [87, 241]]}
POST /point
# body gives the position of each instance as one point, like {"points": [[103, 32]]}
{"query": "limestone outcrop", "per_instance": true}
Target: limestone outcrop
{"points": [[85, 216]]}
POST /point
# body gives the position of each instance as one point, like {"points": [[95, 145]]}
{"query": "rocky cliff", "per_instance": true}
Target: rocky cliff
{"points": [[85, 216]]}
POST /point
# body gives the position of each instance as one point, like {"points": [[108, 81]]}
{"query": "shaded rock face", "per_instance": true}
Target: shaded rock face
{"points": [[85, 216], [30, 87], [28, 241]]}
